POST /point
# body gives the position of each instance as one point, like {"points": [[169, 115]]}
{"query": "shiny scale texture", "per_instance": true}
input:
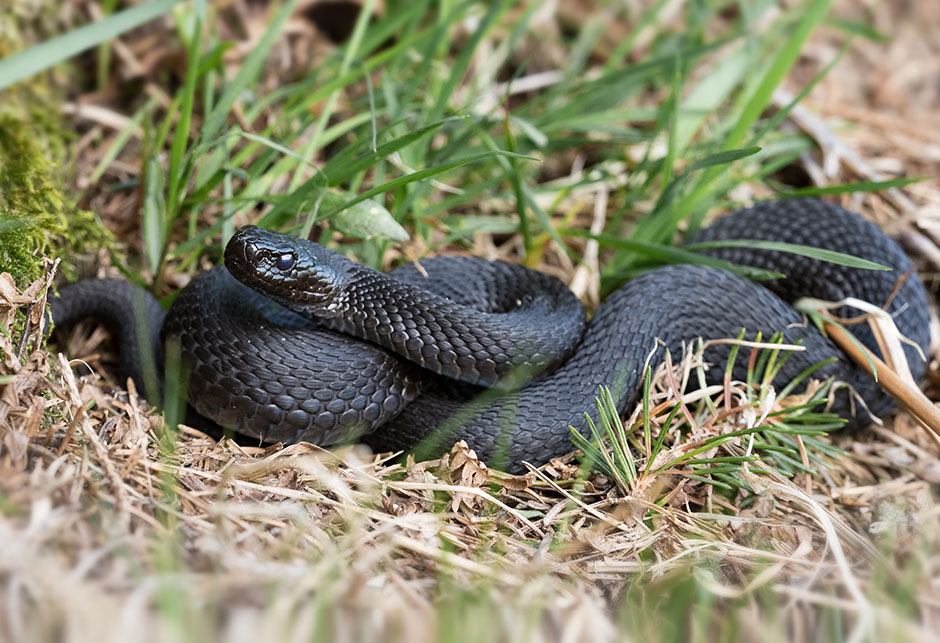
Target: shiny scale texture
{"points": [[269, 372]]}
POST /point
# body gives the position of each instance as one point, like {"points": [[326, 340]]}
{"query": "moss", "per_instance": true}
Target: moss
{"points": [[31, 206], [37, 218]]}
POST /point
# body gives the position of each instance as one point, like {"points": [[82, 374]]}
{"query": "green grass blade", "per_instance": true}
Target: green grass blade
{"points": [[723, 158], [671, 254], [24, 64], [460, 64], [247, 73], [121, 140], [177, 170], [849, 188], [758, 101], [274, 145], [342, 167], [778, 70], [660, 226], [420, 175], [708, 95], [821, 254], [154, 207], [349, 54]]}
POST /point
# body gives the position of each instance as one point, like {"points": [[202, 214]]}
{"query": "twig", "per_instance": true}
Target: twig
{"points": [[911, 398]]}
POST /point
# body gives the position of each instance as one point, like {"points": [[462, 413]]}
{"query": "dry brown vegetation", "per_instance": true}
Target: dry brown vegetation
{"points": [[111, 530]]}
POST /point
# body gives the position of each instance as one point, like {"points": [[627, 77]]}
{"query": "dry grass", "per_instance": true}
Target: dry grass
{"points": [[206, 538], [114, 530]]}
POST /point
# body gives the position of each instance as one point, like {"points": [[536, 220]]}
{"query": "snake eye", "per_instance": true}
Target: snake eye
{"points": [[285, 262]]}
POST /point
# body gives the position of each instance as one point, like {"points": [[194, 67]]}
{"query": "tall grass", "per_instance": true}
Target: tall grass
{"points": [[404, 127]]}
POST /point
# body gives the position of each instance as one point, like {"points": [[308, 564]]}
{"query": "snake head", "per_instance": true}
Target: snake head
{"points": [[296, 273]]}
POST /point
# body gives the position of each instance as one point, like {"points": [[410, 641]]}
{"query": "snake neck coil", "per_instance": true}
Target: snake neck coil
{"points": [[502, 347]]}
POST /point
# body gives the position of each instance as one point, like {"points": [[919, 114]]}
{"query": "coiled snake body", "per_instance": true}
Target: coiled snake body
{"points": [[333, 351]]}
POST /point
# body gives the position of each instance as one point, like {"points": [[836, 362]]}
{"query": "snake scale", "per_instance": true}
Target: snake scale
{"points": [[291, 341]]}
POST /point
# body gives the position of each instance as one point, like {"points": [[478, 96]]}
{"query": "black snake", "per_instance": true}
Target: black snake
{"points": [[291, 341]]}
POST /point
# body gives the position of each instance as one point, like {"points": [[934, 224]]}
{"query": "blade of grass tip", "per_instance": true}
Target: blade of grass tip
{"points": [[283, 149], [804, 374], [249, 70], [349, 55], [673, 254], [820, 254], [35, 59], [774, 157], [856, 28], [850, 188], [810, 16], [724, 157]]}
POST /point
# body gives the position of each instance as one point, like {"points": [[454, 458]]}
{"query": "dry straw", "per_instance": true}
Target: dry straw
{"points": [[108, 536]]}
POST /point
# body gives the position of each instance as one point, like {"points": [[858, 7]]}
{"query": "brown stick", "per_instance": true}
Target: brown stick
{"points": [[911, 398]]}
